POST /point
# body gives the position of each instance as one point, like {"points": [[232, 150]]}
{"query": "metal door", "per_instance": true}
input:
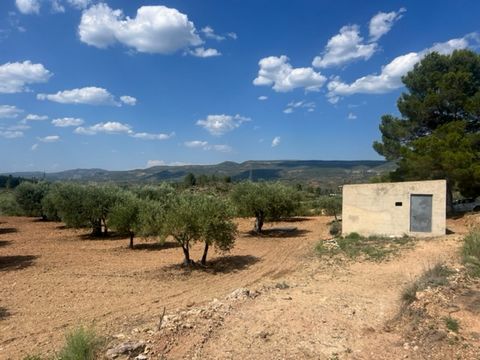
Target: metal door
{"points": [[421, 213]]}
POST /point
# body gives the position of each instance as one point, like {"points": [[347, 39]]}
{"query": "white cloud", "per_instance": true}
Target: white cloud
{"points": [[14, 77], [155, 29], [57, 7], [263, 97], [310, 106], [79, 4], [34, 147], [67, 121], [11, 134], [35, 117], [351, 116], [88, 95], [9, 111], [110, 127], [276, 141], [210, 34], [129, 100], [220, 124], [151, 163], [381, 23], [278, 73], [204, 53], [198, 144], [232, 35], [149, 136], [345, 47], [28, 6], [390, 77], [49, 138], [20, 126]]}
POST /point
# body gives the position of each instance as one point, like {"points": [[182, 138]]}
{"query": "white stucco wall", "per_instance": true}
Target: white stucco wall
{"points": [[369, 209]]}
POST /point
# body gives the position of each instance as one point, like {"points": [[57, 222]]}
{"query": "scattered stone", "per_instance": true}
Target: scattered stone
{"points": [[126, 348], [141, 357], [238, 294], [282, 286]]}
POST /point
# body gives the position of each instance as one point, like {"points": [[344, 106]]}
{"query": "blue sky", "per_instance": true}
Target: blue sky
{"points": [[130, 84]]}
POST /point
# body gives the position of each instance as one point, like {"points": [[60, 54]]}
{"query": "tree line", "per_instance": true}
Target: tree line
{"points": [[186, 216]]}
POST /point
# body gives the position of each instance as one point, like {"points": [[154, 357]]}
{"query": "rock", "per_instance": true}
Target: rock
{"points": [[240, 293], [126, 348], [141, 357]]}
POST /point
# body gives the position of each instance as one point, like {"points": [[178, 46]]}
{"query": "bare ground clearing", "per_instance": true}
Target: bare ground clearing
{"points": [[52, 280]]}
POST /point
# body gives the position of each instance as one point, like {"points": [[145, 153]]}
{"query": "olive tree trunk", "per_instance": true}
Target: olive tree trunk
{"points": [[205, 252], [259, 219]]}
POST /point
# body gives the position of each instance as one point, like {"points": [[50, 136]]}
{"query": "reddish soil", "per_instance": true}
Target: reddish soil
{"points": [[54, 279]]}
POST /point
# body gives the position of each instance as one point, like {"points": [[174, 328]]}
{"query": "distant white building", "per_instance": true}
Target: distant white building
{"points": [[414, 208]]}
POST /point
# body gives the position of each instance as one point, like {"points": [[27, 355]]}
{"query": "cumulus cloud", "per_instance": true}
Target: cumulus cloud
{"points": [[309, 106], [49, 138], [198, 144], [9, 134], [90, 95], [28, 6], [263, 97], [149, 136], [381, 23], [67, 122], [35, 117], [109, 127], [9, 111], [154, 29], [204, 53], [351, 116], [390, 77], [195, 144], [209, 33], [33, 6], [115, 127], [278, 72], [276, 141], [14, 77], [129, 100], [345, 47], [221, 124]]}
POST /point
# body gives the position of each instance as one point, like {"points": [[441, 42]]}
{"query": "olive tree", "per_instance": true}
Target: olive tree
{"points": [[265, 201], [332, 205], [84, 205], [124, 216], [29, 197], [200, 218]]}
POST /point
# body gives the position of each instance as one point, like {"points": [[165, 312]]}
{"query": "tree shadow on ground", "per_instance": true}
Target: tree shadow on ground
{"points": [[280, 232], [16, 262], [296, 219], [8, 230], [449, 231], [223, 265], [156, 246], [4, 313], [109, 236], [4, 243]]}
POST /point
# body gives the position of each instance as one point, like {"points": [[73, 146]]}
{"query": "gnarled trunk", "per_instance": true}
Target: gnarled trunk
{"points": [[259, 218], [96, 228], [131, 239], [205, 252]]}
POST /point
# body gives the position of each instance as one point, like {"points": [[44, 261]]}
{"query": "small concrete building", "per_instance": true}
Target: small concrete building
{"points": [[414, 208]]}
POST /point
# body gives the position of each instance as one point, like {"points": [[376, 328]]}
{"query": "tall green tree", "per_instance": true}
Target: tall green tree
{"points": [[29, 197], [441, 89]]}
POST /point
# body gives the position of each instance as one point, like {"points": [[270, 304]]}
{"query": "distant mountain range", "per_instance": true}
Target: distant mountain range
{"points": [[318, 172]]}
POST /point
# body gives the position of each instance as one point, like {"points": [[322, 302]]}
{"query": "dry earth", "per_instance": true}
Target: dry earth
{"points": [[305, 307]]}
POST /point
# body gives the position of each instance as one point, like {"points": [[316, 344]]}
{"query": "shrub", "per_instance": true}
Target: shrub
{"points": [[29, 197], [452, 324], [80, 344], [8, 205], [471, 252]]}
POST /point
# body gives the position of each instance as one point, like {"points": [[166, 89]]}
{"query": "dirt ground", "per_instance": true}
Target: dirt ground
{"points": [[53, 279]]}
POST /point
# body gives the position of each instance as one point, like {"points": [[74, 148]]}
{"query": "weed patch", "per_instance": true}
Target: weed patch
{"points": [[471, 252], [452, 324], [80, 344], [374, 248]]}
